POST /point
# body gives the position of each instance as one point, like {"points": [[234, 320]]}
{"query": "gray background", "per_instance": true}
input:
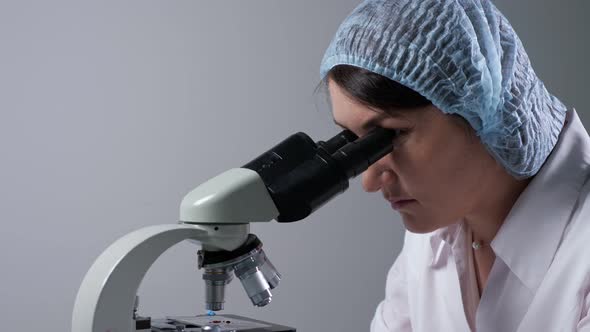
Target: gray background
{"points": [[110, 111]]}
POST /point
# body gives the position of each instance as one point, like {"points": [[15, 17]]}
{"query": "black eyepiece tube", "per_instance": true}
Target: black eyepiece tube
{"points": [[355, 157], [301, 175], [316, 181], [283, 157], [338, 141]]}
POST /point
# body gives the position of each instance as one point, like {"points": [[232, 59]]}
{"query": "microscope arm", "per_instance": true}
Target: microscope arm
{"points": [[215, 215], [106, 297]]}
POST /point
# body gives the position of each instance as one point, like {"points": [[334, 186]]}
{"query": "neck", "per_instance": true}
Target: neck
{"points": [[496, 203]]}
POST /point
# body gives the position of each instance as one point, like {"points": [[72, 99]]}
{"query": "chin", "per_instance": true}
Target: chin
{"points": [[417, 225]]}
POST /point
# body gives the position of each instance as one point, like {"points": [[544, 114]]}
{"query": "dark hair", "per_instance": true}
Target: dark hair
{"points": [[379, 92], [374, 90]]}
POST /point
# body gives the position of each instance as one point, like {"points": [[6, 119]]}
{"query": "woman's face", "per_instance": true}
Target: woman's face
{"points": [[438, 165]]}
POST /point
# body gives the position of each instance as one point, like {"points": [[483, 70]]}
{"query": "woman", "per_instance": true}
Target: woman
{"points": [[489, 173]]}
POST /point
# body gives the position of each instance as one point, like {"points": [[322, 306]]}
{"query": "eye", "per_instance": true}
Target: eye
{"points": [[397, 132], [401, 132], [400, 135]]}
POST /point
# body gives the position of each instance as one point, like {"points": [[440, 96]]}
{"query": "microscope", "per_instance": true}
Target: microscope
{"points": [[286, 183]]}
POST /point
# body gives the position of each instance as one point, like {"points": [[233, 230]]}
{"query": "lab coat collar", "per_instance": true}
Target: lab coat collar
{"points": [[531, 233], [442, 240]]}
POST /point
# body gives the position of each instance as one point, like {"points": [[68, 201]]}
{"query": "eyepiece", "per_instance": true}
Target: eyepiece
{"points": [[355, 157], [341, 139]]}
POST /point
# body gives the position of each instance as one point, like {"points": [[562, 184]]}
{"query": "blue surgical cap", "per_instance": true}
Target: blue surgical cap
{"points": [[465, 58]]}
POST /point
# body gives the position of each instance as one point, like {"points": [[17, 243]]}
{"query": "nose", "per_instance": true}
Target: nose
{"points": [[378, 175]]}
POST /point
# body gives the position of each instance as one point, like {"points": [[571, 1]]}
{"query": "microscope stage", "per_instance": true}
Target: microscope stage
{"points": [[225, 323]]}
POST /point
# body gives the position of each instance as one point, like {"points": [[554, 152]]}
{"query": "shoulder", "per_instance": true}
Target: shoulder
{"points": [[577, 231], [572, 258]]}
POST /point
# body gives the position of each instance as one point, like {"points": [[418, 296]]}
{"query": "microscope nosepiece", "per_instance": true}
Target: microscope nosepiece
{"points": [[249, 263]]}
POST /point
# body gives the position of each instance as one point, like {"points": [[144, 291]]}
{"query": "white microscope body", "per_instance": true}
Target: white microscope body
{"points": [[215, 214], [286, 183]]}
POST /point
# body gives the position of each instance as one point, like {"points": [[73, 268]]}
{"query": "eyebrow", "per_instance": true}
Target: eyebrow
{"points": [[369, 124]]}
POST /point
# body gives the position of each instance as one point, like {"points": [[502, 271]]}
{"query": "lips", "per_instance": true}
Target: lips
{"points": [[402, 203], [396, 199], [398, 202]]}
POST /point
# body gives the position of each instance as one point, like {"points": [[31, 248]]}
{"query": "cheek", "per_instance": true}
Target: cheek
{"points": [[440, 183], [441, 175]]}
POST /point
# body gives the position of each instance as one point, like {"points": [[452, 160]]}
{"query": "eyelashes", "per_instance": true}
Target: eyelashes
{"points": [[400, 136]]}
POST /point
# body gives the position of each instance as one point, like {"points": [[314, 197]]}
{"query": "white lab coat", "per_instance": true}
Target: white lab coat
{"points": [[540, 280]]}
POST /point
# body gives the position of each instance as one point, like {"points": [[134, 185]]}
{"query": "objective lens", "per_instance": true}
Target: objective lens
{"points": [[256, 287], [258, 276], [272, 276], [215, 282]]}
